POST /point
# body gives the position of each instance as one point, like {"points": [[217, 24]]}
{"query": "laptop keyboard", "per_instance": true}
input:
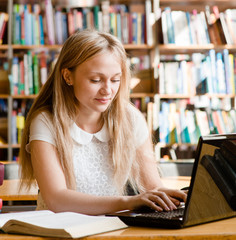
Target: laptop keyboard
{"points": [[165, 215]]}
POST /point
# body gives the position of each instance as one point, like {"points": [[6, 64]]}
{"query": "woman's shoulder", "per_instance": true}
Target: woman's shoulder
{"points": [[42, 118]]}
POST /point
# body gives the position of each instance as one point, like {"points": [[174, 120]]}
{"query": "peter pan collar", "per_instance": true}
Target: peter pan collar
{"points": [[82, 137]]}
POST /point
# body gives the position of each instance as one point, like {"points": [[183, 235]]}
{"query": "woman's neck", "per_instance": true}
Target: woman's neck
{"points": [[90, 124]]}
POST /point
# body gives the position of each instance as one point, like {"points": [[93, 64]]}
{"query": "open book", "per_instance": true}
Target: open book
{"points": [[50, 224]]}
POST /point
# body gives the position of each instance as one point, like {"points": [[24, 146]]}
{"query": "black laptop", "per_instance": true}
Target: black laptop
{"points": [[212, 190]]}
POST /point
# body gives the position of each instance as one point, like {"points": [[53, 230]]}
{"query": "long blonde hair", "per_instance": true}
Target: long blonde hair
{"points": [[57, 98]]}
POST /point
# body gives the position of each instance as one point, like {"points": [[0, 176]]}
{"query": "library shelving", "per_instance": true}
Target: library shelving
{"points": [[33, 37], [149, 55], [194, 42]]}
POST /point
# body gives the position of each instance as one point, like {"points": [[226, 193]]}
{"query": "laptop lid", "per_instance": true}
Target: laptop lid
{"points": [[212, 192], [207, 199]]}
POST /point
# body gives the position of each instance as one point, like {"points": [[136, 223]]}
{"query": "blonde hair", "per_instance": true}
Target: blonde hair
{"points": [[57, 98]]}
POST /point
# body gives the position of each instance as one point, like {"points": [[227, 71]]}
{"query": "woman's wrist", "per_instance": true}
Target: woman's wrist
{"points": [[124, 203]]}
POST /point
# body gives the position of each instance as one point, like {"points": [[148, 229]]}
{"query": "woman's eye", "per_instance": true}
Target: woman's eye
{"points": [[115, 80], [95, 80]]}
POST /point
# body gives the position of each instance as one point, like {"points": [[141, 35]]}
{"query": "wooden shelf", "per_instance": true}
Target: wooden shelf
{"points": [[33, 96], [197, 4], [141, 95], [176, 49], [218, 95], [181, 96], [4, 96], [15, 145], [32, 47], [175, 96], [4, 146], [4, 47], [58, 47]]}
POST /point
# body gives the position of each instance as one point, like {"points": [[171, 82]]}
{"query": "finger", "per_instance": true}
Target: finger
{"points": [[158, 201], [164, 201], [175, 201], [154, 206], [177, 194]]}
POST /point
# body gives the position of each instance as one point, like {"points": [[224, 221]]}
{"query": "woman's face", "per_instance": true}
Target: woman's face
{"points": [[96, 82]]}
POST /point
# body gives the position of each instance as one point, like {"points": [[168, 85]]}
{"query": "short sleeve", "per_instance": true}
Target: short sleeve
{"points": [[42, 129], [140, 127]]}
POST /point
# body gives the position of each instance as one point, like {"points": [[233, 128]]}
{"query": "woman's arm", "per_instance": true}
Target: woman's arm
{"points": [[58, 197], [150, 177]]}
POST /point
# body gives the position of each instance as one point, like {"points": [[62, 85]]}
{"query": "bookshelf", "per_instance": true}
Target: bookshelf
{"points": [[17, 47], [176, 54], [146, 54]]}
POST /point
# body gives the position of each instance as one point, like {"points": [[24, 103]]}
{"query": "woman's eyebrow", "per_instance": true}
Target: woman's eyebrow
{"points": [[102, 74]]}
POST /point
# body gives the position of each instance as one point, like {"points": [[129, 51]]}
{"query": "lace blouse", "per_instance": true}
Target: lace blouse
{"points": [[91, 156]]}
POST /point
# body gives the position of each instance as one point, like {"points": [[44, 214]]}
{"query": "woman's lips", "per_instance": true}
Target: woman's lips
{"points": [[103, 100]]}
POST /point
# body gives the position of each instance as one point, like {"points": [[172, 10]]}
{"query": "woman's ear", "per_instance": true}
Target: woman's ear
{"points": [[67, 76]]}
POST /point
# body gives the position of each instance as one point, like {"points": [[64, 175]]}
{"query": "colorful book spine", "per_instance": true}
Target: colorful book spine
{"points": [[30, 72], [21, 79], [41, 30], [36, 74], [15, 75], [20, 123], [50, 22]]}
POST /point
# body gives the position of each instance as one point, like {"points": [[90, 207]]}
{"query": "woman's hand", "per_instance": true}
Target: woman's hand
{"points": [[176, 196], [163, 199]]}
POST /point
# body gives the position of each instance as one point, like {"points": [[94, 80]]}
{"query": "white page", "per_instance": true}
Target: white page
{"points": [[4, 217], [63, 220]]}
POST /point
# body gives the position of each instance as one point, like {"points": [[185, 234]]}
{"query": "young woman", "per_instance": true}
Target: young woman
{"points": [[84, 142]]}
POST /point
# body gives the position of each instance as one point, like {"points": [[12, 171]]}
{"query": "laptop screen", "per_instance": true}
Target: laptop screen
{"points": [[212, 193]]}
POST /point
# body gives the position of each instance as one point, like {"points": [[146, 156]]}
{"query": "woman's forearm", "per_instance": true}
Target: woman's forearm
{"points": [[69, 200]]}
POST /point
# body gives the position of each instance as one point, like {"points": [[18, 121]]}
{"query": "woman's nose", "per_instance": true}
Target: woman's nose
{"points": [[106, 88]]}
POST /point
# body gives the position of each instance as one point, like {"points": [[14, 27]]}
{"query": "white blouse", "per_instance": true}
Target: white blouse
{"points": [[91, 157]]}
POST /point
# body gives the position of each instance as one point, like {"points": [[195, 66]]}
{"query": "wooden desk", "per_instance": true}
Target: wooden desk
{"points": [[220, 230], [176, 182], [9, 191]]}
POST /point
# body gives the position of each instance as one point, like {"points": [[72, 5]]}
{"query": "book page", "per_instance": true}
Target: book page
{"points": [[61, 220], [22, 215], [65, 224]]}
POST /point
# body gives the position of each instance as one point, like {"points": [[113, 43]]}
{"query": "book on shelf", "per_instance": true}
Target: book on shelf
{"points": [[13, 126], [29, 72], [3, 25], [181, 28], [225, 29], [149, 23], [18, 115], [184, 27], [220, 67], [182, 121], [198, 26], [185, 137], [44, 23], [61, 225], [218, 121], [212, 73], [49, 22], [192, 126], [228, 13]]}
